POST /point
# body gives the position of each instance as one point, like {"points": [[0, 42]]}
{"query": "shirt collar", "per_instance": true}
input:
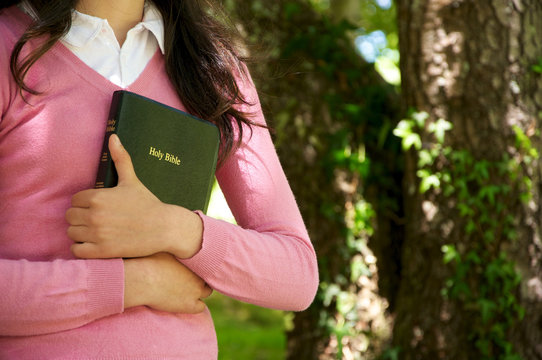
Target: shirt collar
{"points": [[152, 21], [85, 27]]}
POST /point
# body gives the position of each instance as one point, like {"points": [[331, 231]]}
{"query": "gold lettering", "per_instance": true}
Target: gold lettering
{"points": [[173, 159], [156, 153], [111, 125], [170, 158]]}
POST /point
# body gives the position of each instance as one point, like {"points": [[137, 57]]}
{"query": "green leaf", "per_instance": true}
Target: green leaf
{"points": [[489, 192], [291, 9], [424, 158], [346, 302], [330, 292], [481, 169], [471, 227], [352, 109], [412, 140], [358, 269], [419, 118], [493, 272], [483, 345], [489, 236], [439, 128], [428, 182], [473, 256], [487, 309], [450, 253], [404, 130], [537, 68], [465, 210]]}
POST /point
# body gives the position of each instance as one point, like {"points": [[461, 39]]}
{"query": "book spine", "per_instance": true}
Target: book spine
{"points": [[107, 175]]}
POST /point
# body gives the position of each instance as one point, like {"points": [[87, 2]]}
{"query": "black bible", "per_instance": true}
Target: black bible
{"points": [[174, 153]]}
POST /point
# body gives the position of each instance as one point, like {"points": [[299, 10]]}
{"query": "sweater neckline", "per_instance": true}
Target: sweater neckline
{"points": [[85, 72], [95, 79]]}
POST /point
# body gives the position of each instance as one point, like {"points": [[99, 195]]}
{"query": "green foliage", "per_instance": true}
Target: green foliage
{"points": [[390, 354], [339, 293], [409, 137], [537, 68], [331, 107], [484, 280], [361, 121], [247, 332]]}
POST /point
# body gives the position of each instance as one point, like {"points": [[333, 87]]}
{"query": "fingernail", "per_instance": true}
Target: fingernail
{"points": [[116, 139]]}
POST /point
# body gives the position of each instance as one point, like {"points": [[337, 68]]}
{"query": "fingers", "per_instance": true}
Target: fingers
{"points": [[122, 160], [77, 216], [84, 250], [199, 306], [161, 282], [206, 292], [79, 234], [91, 250], [91, 198], [83, 199]]}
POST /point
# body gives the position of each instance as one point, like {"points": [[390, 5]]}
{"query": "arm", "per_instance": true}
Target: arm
{"points": [[44, 297], [39, 297], [268, 258]]}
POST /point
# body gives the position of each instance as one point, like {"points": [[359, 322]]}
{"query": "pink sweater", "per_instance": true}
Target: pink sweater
{"points": [[57, 307]]}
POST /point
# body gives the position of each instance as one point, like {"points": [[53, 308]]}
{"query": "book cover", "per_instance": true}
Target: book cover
{"points": [[174, 153]]}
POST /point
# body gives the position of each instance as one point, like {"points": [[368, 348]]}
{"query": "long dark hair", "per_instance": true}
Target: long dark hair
{"points": [[201, 58]]}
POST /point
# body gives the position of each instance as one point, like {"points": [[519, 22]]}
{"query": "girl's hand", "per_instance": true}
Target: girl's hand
{"points": [[163, 283], [128, 220]]}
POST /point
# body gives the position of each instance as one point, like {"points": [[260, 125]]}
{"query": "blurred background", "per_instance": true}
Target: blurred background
{"points": [[410, 134]]}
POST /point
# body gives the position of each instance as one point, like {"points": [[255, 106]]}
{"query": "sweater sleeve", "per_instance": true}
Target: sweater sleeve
{"points": [[40, 297], [267, 259], [51, 296]]}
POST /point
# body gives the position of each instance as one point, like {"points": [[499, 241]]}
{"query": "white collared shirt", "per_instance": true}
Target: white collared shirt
{"points": [[93, 41]]}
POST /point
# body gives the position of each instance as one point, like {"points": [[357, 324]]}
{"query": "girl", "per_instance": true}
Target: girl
{"points": [[115, 273]]}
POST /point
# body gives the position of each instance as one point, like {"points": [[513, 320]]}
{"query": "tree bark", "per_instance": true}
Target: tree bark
{"points": [[471, 63]]}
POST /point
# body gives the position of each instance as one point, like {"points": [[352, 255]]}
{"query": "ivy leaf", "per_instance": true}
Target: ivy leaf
{"points": [[428, 182], [412, 140], [493, 272], [489, 192], [465, 210], [439, 128], [424, 158], [420, 117], [471, 227], [404, 130], [487, 309], [346, 302], [330, 292], [537, 68], [473, 256], [450, 253], [481, 169]]}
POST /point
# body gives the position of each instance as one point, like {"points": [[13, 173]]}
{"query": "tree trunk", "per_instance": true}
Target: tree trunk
{"points": [[476, 64]]}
